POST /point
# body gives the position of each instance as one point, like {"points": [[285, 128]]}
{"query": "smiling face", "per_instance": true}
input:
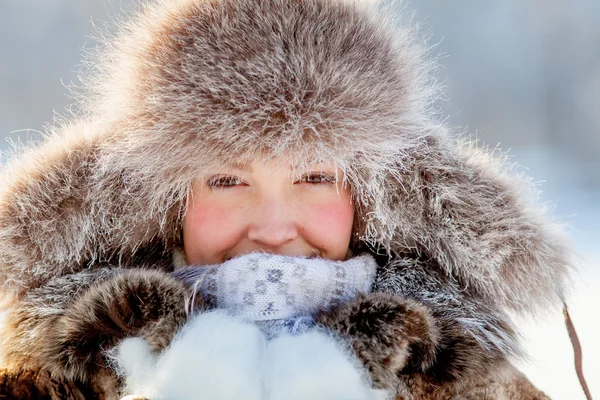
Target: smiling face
{"points": [[268, 207]]}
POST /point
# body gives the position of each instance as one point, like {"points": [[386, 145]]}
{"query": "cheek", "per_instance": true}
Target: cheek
{"points": [[330, 227], [209, 230], [334, 218]]}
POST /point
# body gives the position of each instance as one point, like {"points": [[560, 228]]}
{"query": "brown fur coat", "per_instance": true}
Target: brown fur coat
{"points": [[90, 220]]}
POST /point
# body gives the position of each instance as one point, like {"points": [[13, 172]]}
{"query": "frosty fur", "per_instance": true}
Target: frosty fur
{"points": [[90, 219], [243, 365]]}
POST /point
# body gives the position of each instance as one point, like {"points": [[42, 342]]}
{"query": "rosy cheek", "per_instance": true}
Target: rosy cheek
{"points": [[209, 214], [333, 217], [210, 230], [330, 225]]}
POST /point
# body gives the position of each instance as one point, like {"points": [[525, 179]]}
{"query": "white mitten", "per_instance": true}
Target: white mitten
{"points": [[213, 357], [216, 356], [314, 366]]}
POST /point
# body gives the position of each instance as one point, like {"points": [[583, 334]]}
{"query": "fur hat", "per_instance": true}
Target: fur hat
{"points": [[188, 85]]}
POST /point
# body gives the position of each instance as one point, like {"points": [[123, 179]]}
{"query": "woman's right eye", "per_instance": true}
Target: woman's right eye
{"points": [[224, 181]]}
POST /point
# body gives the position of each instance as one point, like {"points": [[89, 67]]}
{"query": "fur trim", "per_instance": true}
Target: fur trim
{"points": [[40, 385], [67, 335], [220, 357], [506, 384], [473, 335]]}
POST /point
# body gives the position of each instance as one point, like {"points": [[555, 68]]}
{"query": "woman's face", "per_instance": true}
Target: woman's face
{"points": [[268, 207]]}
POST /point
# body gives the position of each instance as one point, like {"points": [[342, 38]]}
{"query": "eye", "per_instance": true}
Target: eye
{"points": [[224, 181], [316, 178]]}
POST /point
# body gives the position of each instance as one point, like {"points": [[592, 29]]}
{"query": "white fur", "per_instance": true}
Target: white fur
{"points": [[313, 366], [213, 357], [219, 357]]}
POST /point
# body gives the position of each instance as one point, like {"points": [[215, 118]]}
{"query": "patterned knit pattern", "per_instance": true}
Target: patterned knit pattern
{"points": [[280, 292]]}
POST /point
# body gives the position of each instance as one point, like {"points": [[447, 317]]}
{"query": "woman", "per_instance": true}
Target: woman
{"points": [[211, 129]]}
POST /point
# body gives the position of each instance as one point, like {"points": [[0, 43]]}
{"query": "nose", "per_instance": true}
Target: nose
{"points": [[273, 224]]}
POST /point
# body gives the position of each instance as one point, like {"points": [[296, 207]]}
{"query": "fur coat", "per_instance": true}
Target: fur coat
{"points": [[91, 219]]}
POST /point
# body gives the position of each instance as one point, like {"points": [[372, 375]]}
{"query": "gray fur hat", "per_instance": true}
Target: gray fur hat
{"points": [[187, 85]]}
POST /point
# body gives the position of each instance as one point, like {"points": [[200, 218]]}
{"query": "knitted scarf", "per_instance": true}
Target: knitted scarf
{"points": [[280, 293]]}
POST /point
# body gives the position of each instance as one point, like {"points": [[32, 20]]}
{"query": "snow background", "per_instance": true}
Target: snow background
{"points": [[521, 74]]}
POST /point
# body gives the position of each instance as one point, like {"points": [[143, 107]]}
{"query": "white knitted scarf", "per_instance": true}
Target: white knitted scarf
{"points": [[280, 293]]}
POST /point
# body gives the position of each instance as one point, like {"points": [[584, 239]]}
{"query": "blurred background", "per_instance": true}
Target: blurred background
{"points": [[523, 75]]}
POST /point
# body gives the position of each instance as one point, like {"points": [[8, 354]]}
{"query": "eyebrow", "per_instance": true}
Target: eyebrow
{"points": [[240, 167], [248, 168]]}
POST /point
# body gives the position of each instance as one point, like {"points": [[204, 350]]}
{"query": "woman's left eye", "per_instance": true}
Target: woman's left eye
{"points": [[317, 178], [224, 181]]}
